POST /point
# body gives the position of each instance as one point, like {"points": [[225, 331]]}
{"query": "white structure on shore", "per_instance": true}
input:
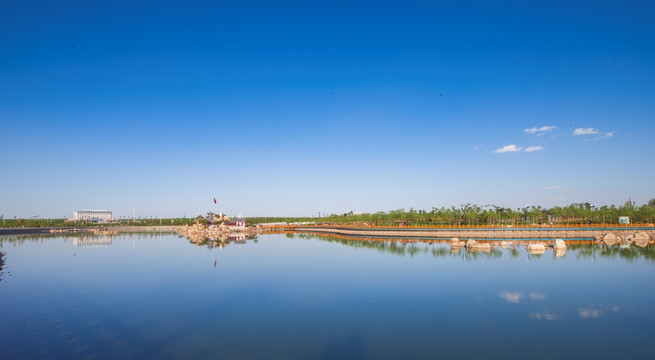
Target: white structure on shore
{"points": [[92, 215]]}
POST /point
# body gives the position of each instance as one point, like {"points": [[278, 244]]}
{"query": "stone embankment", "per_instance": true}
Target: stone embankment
{"points": [[636, 235]]}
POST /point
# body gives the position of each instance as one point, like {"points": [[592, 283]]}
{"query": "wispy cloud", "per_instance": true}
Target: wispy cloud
{"points": [[537, 296], [590, 313], [508, 148], [515, 297], [603, 136], [592, 131], [511, 297], [477, 147], [585, 131], [545, 315], [540, 131], [534, 148]]}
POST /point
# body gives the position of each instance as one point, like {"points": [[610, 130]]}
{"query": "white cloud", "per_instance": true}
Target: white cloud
{"points": [[604, 136], [477, 147], [534, 148], [590, 313], [537, 296], [601, 137], [508, 148], [512, 297], [585, 131], [540, 131]]}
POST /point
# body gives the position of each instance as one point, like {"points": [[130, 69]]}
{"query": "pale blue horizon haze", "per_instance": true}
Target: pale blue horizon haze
{"points": [[296, 108]]}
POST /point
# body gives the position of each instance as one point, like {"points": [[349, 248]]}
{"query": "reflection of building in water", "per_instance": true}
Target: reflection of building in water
{"points": [[92, 241], [241, 238], [238, 224], [92, 215]]}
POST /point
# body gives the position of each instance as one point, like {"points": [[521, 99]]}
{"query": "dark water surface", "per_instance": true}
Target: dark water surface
{"points": [[161, 296]]}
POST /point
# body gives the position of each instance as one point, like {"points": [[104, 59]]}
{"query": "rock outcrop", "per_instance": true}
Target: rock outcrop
{"points": [[472, 245], [610, 239], [641, 239], [455, 242], [200, 231], [536, 248], [559, 244]]}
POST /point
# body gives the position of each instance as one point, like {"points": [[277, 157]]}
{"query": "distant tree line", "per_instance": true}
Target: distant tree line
{"points": [[471, 214]]}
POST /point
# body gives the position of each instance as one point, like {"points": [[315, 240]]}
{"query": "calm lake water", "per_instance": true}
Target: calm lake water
{"points": [[277, 296]]}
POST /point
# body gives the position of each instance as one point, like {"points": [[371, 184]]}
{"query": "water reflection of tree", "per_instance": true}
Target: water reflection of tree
{"points": [[629, 253], [494, 253], [442, 252], [19, 239], [412, 247], [401, 247], [2, 264], [387, 245]]}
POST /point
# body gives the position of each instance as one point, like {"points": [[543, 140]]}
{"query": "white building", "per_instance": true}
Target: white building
{"points": [[92, 215]]}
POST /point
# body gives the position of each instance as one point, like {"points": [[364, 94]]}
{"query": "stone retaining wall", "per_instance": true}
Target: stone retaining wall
{"points": [[479, 233]]}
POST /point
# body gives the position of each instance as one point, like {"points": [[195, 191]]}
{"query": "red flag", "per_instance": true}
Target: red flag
{"points": [[214, 200]]}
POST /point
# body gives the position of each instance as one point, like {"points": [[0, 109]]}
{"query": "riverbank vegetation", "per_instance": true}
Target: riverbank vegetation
{"points": [[471, 214]]}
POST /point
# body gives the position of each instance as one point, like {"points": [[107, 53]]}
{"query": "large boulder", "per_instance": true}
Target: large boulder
{"points": [[610, 239], [482, 247], [536, 248], [454, 241], [559, 244], [641, 239], [473, 245]]}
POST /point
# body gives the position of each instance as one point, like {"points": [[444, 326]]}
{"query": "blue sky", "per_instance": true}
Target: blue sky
{"points": [[296, 108]]}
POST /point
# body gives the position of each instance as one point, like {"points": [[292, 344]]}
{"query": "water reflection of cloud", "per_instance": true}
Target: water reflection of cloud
{"points": [[511, 297], [537, 296], [543, 315], [590, 313], [515, 297]]}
